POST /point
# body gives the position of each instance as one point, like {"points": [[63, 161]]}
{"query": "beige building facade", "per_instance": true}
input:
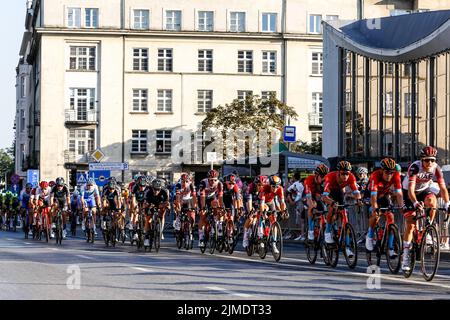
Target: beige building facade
{"points": [[122, 75]]}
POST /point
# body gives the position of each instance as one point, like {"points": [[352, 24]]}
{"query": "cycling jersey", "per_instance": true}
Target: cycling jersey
{"points": [[267, 195], [60, 195], [43, 194], [423, 178], [332, 184], [139, 194], [110, 196], [90, 195], [24, 198], [157, 199], [211, 191], [378, 186], [312, 188], [187, 192]]}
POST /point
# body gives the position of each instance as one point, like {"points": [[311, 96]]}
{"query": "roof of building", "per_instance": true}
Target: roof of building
{"points": [[401, 38]]}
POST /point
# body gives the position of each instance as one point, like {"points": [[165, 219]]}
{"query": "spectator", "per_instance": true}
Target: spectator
{"points": [[295, 192]]}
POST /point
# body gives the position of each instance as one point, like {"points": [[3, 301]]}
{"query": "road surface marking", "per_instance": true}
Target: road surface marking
{"points": [[141, 269], [244, 295], [84, 257]]}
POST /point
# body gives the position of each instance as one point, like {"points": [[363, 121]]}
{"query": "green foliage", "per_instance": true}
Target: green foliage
{"points": [[308, 148], [6, 163]]}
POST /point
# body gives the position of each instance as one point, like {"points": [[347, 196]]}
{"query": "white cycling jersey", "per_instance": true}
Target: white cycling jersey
{"points": [[423, 179]]}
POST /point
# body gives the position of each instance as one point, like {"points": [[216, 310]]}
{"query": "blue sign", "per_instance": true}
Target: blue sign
{"points": [[82, 178], [14, 188], [33, 177], [100, 176], [289, 134]]}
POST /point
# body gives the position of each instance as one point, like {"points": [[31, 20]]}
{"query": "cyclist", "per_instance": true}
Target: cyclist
{"points": [[6, 206], [382, 181], [421, 174], [111, 201], [313, 194], [41, 199], [185, 198], [253, 191], [211, 197], [137, 202], [90, 198], [60, 198], [75, 207], [157, 197], [15, 207], [232, 199], [24, 198], [272, 198], [334, 191]]}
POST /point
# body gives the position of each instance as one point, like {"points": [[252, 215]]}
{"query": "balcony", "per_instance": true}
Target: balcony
{"points": [[87, 117], [74, 157], [315, 120]]}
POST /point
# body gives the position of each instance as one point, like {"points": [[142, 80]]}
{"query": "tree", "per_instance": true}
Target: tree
{"points": [[6, 163], [252, 114], [308, 148]]}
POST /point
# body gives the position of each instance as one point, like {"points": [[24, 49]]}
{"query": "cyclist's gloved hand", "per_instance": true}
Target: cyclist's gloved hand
{"points": [[447, 205], [418, 205]]}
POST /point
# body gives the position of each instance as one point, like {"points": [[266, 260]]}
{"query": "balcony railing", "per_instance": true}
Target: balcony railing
{"points": [[74, 157], [315, 119], [87, 116]]}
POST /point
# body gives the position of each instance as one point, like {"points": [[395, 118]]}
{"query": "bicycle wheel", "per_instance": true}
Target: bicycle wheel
{"points": [[276, 241], [333, 250], [212, 238], [113, 236], [311, 249], [205, 239], [430, 252], [412, 260], [157, 234], [323, 248], [393, 242], [230, 237], [350, 242]]}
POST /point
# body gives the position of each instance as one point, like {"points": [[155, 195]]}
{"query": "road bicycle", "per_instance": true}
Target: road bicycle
{"points": [[58, 227], [109, 228], [89, 224], [315, 245], [270, 235]]}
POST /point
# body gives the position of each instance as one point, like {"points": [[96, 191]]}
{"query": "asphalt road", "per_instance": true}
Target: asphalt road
{"points": [[37, 270]]}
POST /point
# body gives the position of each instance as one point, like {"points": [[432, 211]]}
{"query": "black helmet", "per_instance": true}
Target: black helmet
{"points": [[344, 166], [59, 181], [157, 184]]}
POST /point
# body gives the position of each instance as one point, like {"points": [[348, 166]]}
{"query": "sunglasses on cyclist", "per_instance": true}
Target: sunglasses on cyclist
{"points": [[344, 173], [389, 172], [428, 160]]}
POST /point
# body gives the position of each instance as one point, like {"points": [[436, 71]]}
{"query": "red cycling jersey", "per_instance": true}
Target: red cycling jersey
{"points": [[332, 184], [312, 188], [267, 195], [377, 185]]}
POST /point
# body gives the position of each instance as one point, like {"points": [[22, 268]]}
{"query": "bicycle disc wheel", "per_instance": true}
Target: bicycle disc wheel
{"points": [[350, 242], [276, 241], [394, 262], [430, 252]]}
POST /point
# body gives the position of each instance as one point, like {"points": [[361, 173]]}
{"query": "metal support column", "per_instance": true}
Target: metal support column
{"points": [[432, 95], [341, 114], [397, 113], [381, 99], [354, 115], [413, 111], [367, 107]]}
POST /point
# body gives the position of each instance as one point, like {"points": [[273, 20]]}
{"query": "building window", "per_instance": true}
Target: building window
{"points": [[141, 19], [389, 68], [139, 141], [165, 175], [82, 58], [265, 95], [81, 141], [91, 17], [205, 60], [243, 94], [245, 61], [316, 136], [22, 120], [74, 17], [269, 22], [348, 100], [165, 100], [140, 100], [317, 63], [348, 63], [269, 62], [388, 104], [205, 21], [408, 104], [315, 23], [173, 20], [165, 60], [163, 141], [204, 100], [237, 21], [317, 105], [22, 87], [407, 71], [83, 102], [140, 59], [331, 17]]}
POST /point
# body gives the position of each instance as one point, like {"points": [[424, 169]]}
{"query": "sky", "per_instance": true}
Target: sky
{"points": [[12, 26]]}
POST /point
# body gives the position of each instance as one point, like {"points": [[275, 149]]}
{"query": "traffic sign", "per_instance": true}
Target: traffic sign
{"points": [[100, 176], [33, 177], [98, 155], [108, 166], [211, 156], [15, 178], [289, 134], [81, 177]]}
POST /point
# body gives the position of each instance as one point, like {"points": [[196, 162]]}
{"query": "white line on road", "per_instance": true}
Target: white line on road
{"points": [[141, 269], [84, 257], [27, 243], [244, 295]]}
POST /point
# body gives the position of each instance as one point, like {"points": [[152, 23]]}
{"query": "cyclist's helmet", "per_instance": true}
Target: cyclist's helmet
{"points": [[260, 179], [43, 184], [213, 174], [51, 184], [362, 170], [185, 177], [322, 170], [157, 184], [59, 181], [111, 184], [90, 182], [76, 193], [142, 182], [274, 181], [136, 177], [388, 164], [398, 168], [230, 178], [428, 152], [344, 166], [28, 186]]}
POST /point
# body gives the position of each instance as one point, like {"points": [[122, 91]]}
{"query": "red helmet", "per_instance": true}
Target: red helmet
{"points": [[51, 184], [43, 184], [230, 178], [213, 174], [261, 180], [185, 177], [428, 152]]}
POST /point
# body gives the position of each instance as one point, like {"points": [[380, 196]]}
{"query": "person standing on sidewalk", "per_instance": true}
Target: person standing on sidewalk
{"points": [[295, 193]]}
